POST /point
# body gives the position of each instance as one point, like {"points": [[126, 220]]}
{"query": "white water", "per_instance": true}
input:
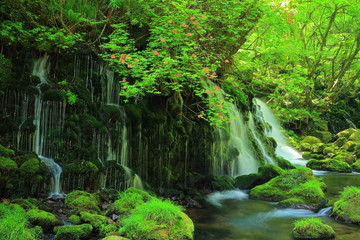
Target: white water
{"points": [[44, 119], [274, 130], [217, 198]]}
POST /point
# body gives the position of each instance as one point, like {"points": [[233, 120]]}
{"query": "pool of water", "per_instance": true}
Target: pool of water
{"points": [[230, 215]]}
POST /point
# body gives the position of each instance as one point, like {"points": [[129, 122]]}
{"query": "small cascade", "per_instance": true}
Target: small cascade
{"points": [[56, 170], [133, 180], [274, 130], [217, 198], [137, 182], [351, 124], [256, 135]]}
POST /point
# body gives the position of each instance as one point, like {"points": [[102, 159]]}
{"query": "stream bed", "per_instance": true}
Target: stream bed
{"points": [[230, 215]]}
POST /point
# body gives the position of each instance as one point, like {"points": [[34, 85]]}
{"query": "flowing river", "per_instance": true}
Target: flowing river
{"points": [[230, 215]]}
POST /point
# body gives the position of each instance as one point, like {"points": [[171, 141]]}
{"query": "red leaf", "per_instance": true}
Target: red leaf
{"points": [[113, 56]]}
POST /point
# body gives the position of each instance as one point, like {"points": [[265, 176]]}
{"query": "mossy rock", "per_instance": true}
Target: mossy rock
{"points": [[356, 166], [297, 183], [20, 159], [345, 133], [331, 165], [30, 167], [115, 238], [248, 181], [329, 150], [324, 136], [269, 171], [157, 220], [222, 183], [29, 203], [80, 201], [305, 146], [284, 164], [357, 151], [355, 136], [108, 230], [129, 199], [6, 152], [347, 209], [340, 141], [75, 219], [44, 219], [73, 232], [317, 148], [308, 155], [109, 194], [97, 221], [312, 228], [7, 165], [349, 146], [311, 140], [345, 157]]}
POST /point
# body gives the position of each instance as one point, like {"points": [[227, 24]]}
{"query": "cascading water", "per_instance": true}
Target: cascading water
{"points": [[274, 130], [45, 119]]}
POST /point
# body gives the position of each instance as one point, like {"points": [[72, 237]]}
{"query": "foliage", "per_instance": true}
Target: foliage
{"points": [[130, 199], [312, 228], [14, 224]]}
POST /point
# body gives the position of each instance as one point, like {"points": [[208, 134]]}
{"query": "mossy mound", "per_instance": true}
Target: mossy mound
{"points": [[129, 199], [73, 232], [44, 219], [6, 152], [157, 220], [222, 183], [340, 141], [324, 136], [309, 155], [329, 165], [29, 203], [30, 167], [297, 184], [75, 219], [317, 148], [356, 165], [311, 140], [109, 194], [115, 238], [247, 181], [80, 201], [355, 136], [312, 228], [347, 209], [345, 133], [7, 165], [349, 146], [344, 157], [97, 221], [284, 164]]}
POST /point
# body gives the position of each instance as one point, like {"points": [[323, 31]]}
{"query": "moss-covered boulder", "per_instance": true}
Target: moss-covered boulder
{"points": [[7, 165], [355, 136], [329, 150], [75, 219], [347, 209], [115, 238], [30, 167], [80, 201], [305, 190], [356, 166], [357, 151], [247, 181], [331, 165], [344, 157], [349, 146], [340, 141], [6, 152], [317, 148], [284, 164], [157, 220], [311, 140], [312, 228], [309, 155], [97, 221], [44, 219], [129, 199], [29, 203], [324, 136], [107, 230], [109, 194], [73, 232], [345, 133]]}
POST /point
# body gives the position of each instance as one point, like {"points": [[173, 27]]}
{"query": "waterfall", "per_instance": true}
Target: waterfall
{"points": [[46, 116], [274, 130]]}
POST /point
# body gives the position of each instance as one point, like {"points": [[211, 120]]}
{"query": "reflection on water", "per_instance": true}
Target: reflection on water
{"points": [[232, 216]]}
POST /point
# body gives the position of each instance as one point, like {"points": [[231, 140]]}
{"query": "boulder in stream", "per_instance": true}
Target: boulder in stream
{"points": [[312, 228]]}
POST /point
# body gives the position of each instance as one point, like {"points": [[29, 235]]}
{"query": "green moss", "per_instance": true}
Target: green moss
{"points": [[324, 136], [29, 203], [297, 183], [305, 146], [221, 183], [347, 207], [115, 238], [247, 181], [329, 165], [349, 146], [82, 201], [30, 167], [157, 220], [340, 141], [356, 165], [6, 152], [97, 221], [108, 229], [44, 219], [285, 164], [311, 140], [54, 95], [109, 194], [345, 133], [7, 165], [308, 155], [75, 219], [131, 198], [14, 224], [312, 228], [73, 232], [317, 148], [329, 150], [355, 136], [345, 157]]}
